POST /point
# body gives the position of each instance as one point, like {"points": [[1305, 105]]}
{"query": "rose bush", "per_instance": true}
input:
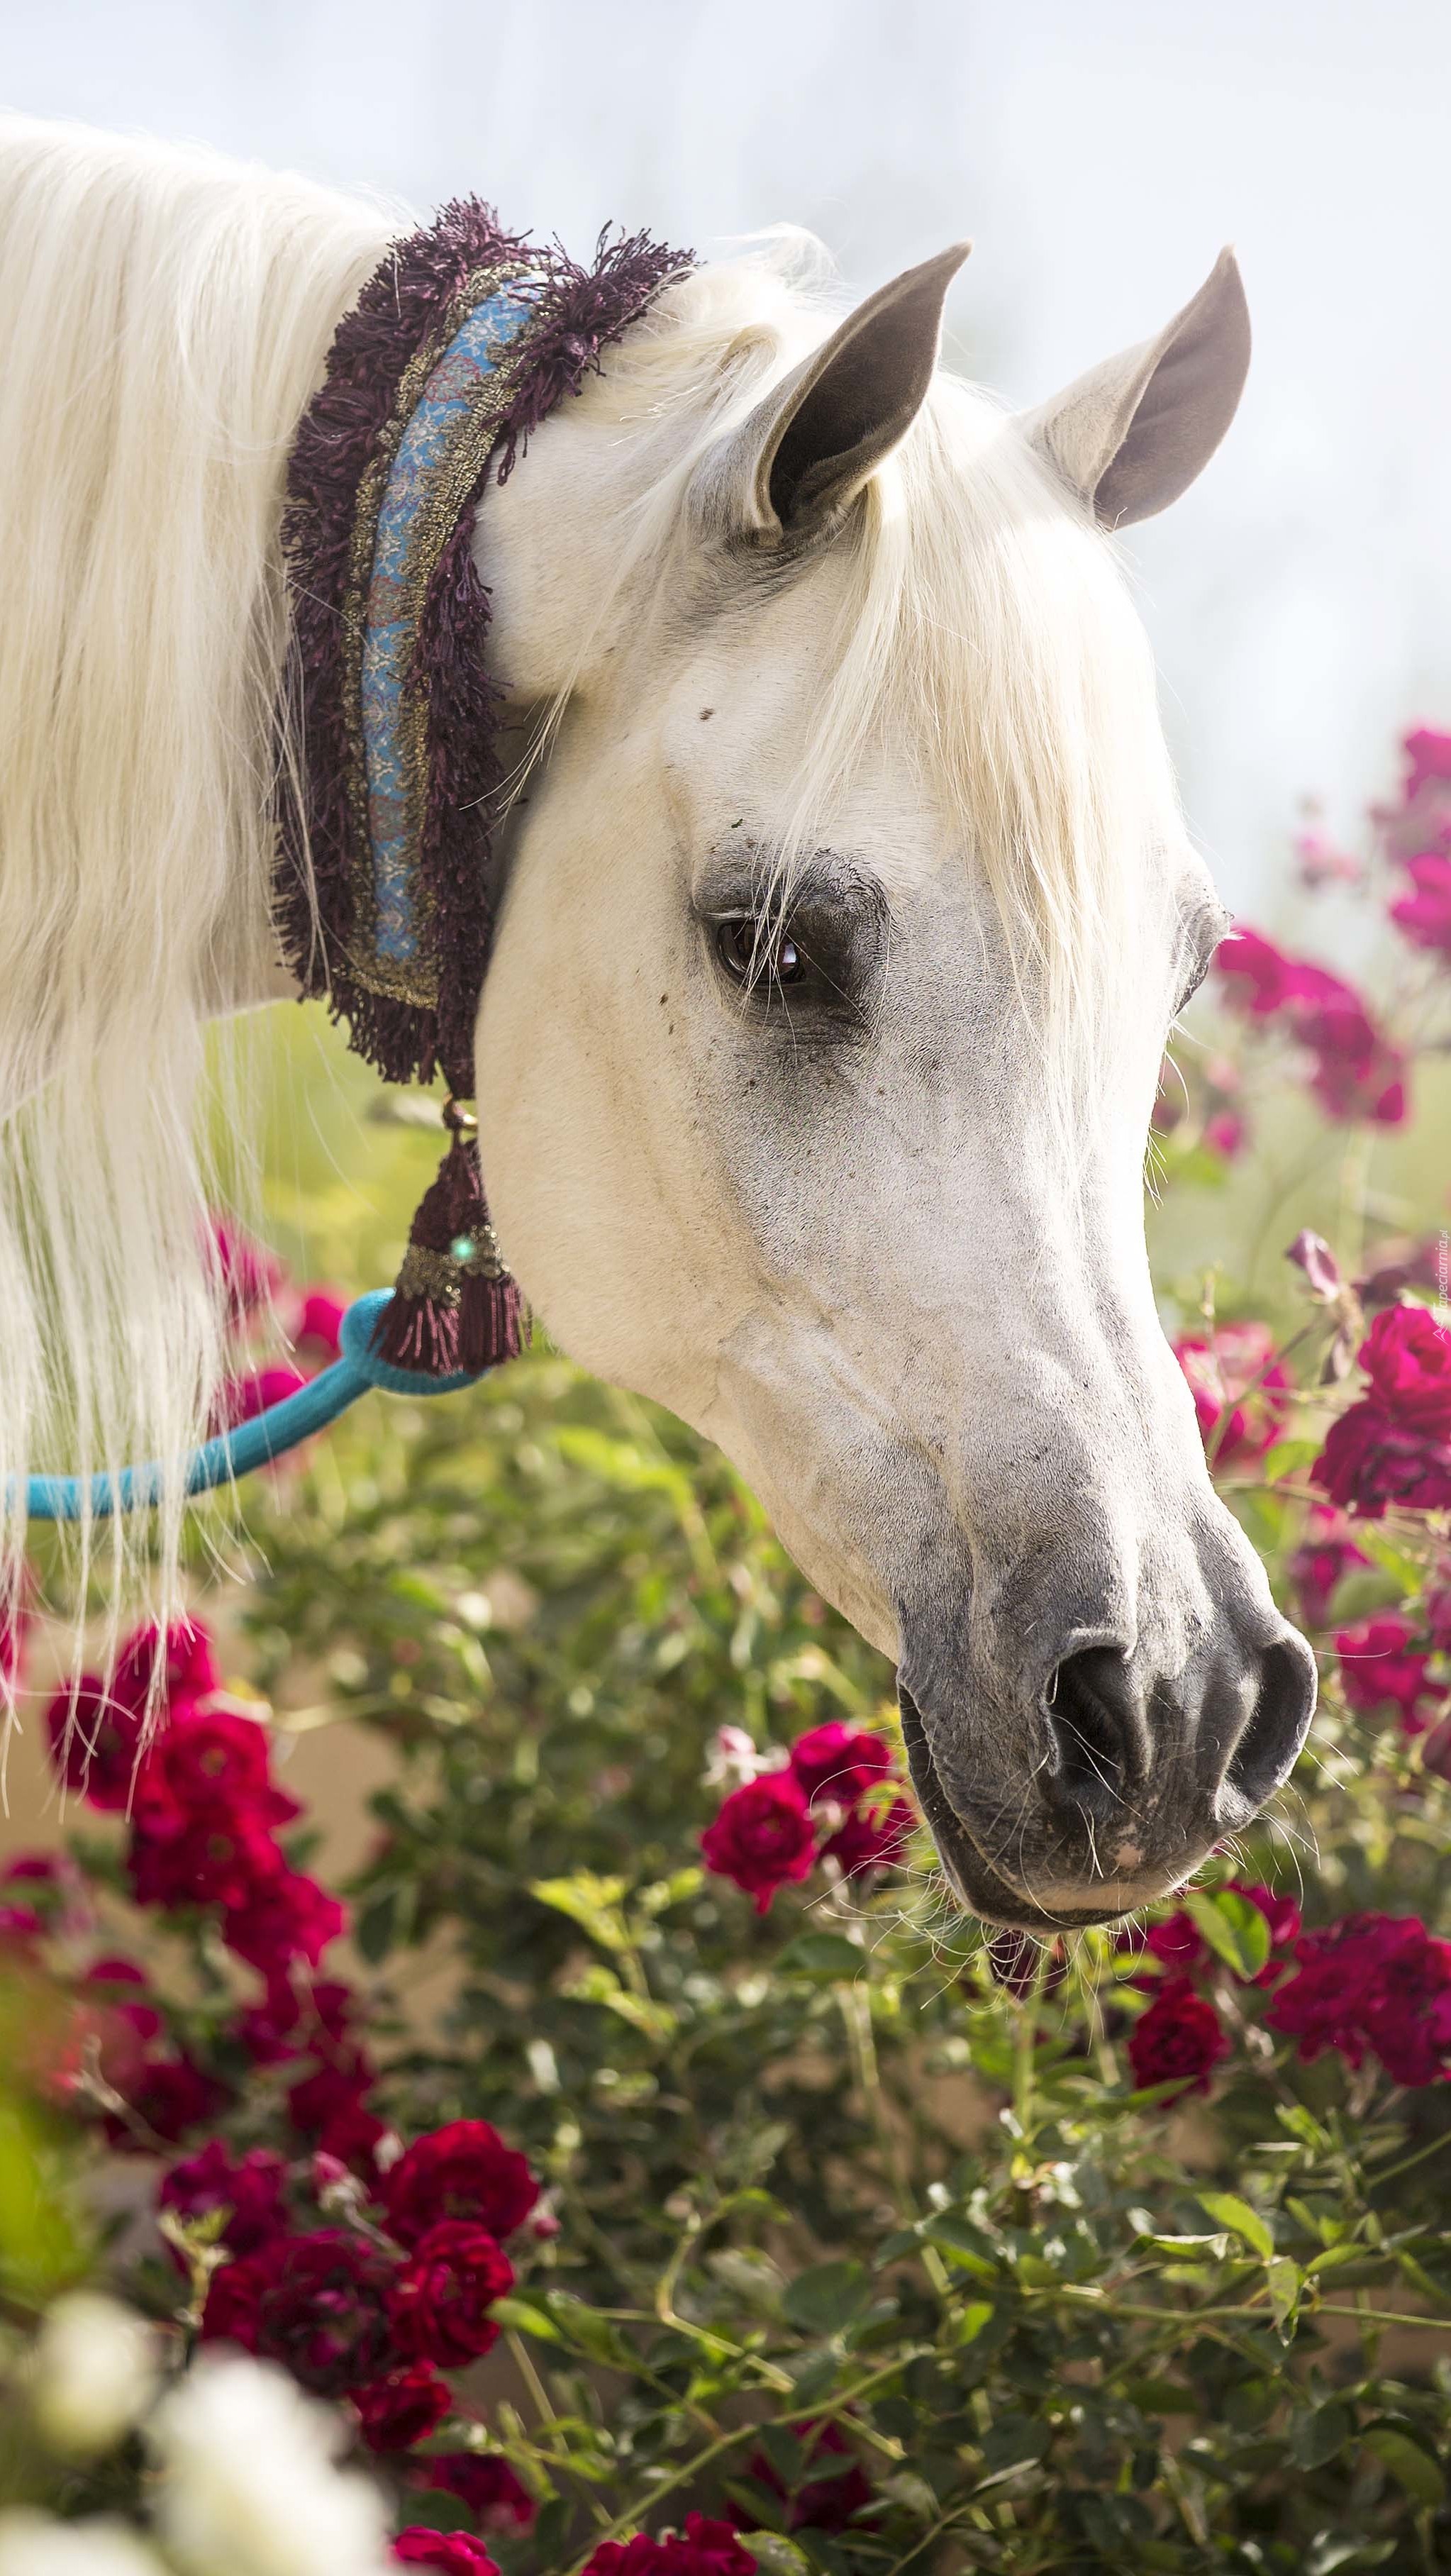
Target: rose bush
{"points": [[739, 2206]]}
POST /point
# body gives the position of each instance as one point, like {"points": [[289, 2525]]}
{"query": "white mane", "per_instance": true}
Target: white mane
{"points": [[165, 315]]}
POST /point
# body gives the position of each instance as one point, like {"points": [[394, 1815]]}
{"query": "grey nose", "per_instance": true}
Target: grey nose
{"points": [[1236, 1733]]}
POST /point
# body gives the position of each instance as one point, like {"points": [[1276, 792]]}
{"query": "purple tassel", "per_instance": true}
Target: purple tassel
{"points": [[455, 1307]]}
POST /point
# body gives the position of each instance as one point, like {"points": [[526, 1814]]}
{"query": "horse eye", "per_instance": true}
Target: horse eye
{"points": [[751, 955]]}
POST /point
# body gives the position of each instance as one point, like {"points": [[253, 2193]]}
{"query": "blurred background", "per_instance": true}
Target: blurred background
{"points": [[1098, 157]]}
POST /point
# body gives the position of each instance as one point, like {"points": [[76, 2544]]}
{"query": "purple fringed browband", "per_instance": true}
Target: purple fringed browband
{"points": [[462, 341]]}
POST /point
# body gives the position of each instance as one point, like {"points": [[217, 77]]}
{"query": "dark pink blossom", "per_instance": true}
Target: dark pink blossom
{"points": [[1377, 1982], [1370, 1460], [1424, 916], [1407, 1357], [1326, 1553], [243, 1398], [449, 2553], [483, 2484], [1382, 1667], [318, 1326], [1180, 2039], [763, 1837], [463, 2170], [248, 2187], [838, 1761], [871, 1838], [1239, 1389], [95, 1741], [315, 2303], [439, 2300], [178, 1662], [289, 1918]]}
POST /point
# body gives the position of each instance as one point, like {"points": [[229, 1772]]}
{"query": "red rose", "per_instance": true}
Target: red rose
{"points": [[704, 2548], [1378, 1669], [168, 2096], [1261, 978], [221, 1860], [95, 1742], [1176, 1942], [241, 1399], [19, 1925], [1369, 1460], [1238, 1388], [290, 1918], [1178, 2040], [183, 1654], [483, 2484], [334, 2089], [762, 1837], [1326, 1553], [286, 2023], [441, 2297], [868, 1841], [352, 2138], [839, 1761], [118, 1981], [1407, 1357], [248, 1273], [453, 2553], [219, 1764], [463, 2170], [823, 2503], [317, 2304], [1371, 1981], [395, 2413], [250, 2189]]}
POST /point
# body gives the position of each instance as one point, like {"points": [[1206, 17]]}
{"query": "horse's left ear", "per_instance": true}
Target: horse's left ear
{"points": [[790, 473], [1131, 435]]}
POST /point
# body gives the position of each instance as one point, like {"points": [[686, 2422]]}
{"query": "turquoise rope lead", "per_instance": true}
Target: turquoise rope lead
{"points": [[269, 1435]]}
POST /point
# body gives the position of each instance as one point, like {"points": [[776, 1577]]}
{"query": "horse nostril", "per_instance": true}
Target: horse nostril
{"points": [[1276, 1730], [1096, 1732]]}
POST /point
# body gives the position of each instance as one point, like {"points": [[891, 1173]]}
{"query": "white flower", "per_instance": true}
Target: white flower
{"points": [[249, 2486], [93, 2373], [733, 1759], [31, 2544]]}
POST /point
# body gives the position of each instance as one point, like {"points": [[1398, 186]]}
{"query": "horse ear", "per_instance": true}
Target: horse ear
{"points": [[791, 471], [1131, 435]]}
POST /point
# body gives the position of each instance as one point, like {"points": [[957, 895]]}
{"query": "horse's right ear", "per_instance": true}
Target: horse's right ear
{"points": [[1131, 435], [787, 477]]}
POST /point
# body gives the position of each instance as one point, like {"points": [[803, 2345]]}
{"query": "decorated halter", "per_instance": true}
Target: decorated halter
{"points": [[463, 341], [460, 344]]}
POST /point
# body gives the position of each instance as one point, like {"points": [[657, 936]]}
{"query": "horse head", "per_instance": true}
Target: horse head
{"points": [[847, 907]]}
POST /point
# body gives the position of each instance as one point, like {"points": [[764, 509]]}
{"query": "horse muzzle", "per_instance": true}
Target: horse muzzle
{"points": [[1105, 1787]]}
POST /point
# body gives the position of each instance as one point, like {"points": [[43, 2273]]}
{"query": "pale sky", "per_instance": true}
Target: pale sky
{"points": [[1300, 596]]}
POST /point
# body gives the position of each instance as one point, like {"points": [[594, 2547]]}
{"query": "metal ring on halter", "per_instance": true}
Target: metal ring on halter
{"points": [[458, 1118]]}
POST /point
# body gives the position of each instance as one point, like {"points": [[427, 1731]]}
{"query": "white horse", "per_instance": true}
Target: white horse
{"points": [[844, 921]]}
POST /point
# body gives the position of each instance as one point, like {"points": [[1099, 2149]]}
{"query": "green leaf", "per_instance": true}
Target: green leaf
{"points": [[1188, 2249], [591, 1902], [1234, 1928], [824, 2300], [1409, 2465], [963, 2244], [826, 1955], [1321, 2434], [1230, 2211], [1161, 2397], [1286, 1458], [772, 2551], [1286, 2281], [524, 2316], [966, 2324]]}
